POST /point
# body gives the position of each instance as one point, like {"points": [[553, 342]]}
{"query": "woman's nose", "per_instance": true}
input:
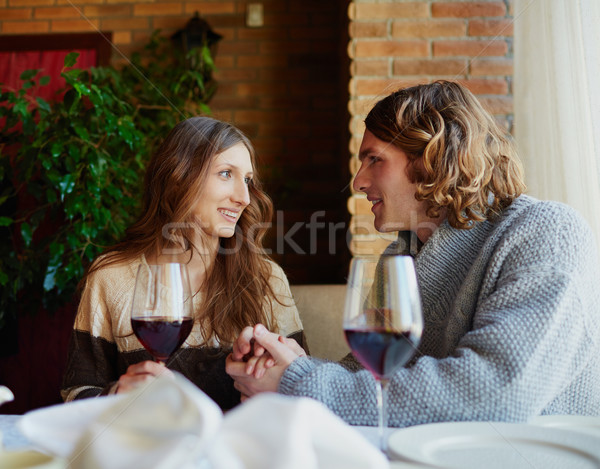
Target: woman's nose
{"points": [[242, 193]]}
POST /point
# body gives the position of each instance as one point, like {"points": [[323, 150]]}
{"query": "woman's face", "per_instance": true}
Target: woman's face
{"points": [[225, 194]]}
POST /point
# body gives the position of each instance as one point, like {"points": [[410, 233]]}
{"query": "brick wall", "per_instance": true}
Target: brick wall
{"points": [[284, 84], [403, 43], [287, 84]]}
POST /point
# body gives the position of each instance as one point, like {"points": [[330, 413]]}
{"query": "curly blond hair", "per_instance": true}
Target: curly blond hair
{"points": [[460, 158]]}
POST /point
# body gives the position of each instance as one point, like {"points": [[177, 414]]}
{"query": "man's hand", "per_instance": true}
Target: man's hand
{"points": [[261, 372]]}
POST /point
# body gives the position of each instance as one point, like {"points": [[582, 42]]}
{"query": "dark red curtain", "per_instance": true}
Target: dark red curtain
{"points": [[51, 62], [33, 347]]}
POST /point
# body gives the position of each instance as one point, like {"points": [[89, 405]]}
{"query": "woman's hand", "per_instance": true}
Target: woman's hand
{"points": [[141, 373], [262, 371]]}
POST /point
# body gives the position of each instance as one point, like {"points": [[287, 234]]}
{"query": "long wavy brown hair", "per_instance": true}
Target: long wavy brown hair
{"points": [[460, 158], [236, 289]]}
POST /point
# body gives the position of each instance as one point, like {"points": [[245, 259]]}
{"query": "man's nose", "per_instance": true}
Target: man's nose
{"points": [[361, 181]]}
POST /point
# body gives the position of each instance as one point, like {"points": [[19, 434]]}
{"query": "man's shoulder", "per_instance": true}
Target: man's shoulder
{"points": [[529, 212]]}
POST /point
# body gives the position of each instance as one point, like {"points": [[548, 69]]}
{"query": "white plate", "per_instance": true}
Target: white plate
{"points": [[576, 423], [492, 445]]}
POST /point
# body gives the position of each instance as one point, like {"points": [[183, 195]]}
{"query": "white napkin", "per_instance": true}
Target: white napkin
{"points": [[172, 424], [6, 395]]}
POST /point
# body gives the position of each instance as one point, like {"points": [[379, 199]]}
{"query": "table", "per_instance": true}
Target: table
{"points": [[13, 439]]}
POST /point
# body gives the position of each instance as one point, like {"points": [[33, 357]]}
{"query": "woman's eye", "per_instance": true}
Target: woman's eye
{"points": [[226, 174], [247, 180]]}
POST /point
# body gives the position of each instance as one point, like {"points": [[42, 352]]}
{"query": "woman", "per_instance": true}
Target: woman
{"points": [[203, 206]]}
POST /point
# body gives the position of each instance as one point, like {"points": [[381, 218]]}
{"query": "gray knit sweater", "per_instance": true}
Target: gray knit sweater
{"points": [[512, 328]]}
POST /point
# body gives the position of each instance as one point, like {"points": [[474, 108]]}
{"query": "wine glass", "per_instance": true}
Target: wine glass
{"points": [[382, 319], [161, 310]]}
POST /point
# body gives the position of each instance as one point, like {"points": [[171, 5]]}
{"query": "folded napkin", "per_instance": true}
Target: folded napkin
{"points": [[170, 423], [6, 395]]}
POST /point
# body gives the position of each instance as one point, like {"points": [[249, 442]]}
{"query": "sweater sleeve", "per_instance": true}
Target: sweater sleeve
{"points": [[92, 357], [529, 338]]}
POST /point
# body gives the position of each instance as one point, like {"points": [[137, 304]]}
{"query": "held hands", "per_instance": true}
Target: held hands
{"points": [[140, 373], [258, 360]]}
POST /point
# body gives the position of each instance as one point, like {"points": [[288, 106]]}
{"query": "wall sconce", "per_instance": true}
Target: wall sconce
{"points": [[197, 33]]}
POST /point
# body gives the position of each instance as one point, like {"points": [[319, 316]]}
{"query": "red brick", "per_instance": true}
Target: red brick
{"points": [[121, 37], [368, 29], [235, 75], [25, 27], [168, 24], [312, 34], [258, 89], [237, 47], [104, 11], [258, 116], [225, 115], [285, 47], [502, 27], [488, 67], [469, 48], [278, 18], [486, 86], [158, 9], [430, 67], [78, 3], [209, 8], [288, 74], [284, 128], [498, 104], [392, 48], [29, 3], [381, 87], [261, 61], [57, 12], [428, 28], [385, 11], [268, 144], [370, 67], [15, 13], [67, 26], [257, 34], [467, 9], [223, 61], [361, 105], [223, 101], [115, 24]]}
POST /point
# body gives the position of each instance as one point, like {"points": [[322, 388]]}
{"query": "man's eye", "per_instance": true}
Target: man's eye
{"points": [[373, 159]]}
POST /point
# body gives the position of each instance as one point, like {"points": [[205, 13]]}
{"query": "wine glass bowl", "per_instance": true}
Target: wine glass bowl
{"points": [[382, 318], [161, 310]]}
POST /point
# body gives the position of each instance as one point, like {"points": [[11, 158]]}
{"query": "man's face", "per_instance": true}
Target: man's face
{"points": [[383, 176]]}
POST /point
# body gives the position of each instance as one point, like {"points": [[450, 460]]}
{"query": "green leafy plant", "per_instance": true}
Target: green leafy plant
{"points": [[71, 170]]}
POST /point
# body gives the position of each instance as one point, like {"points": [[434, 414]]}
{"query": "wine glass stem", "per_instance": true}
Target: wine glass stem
{"points": [[382, 386]]}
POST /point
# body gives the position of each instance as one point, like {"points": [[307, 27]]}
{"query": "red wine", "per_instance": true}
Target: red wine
{"points": [[381, 351], [161, 336]]}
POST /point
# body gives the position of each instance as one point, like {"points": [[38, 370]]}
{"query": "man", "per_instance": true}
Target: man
{"points": [[508, 283]]}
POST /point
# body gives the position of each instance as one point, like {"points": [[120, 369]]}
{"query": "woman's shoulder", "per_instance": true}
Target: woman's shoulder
{"points": [[113, 272]]}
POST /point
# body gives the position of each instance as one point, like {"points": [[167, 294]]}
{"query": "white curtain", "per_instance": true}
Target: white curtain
{"points": [[557, 101]]}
